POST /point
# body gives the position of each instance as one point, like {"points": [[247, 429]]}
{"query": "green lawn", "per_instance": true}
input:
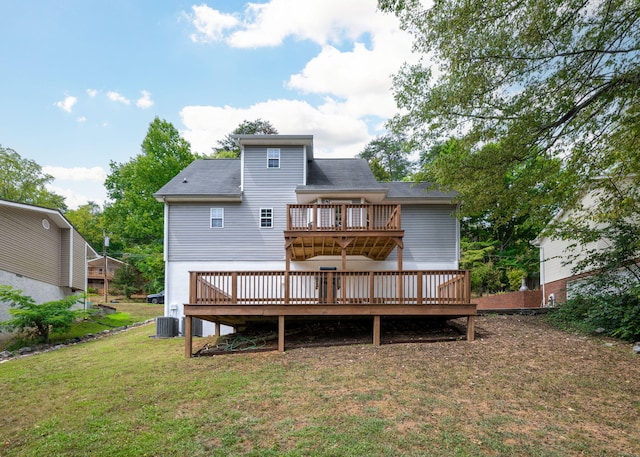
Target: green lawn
{"points": [[521, 389], [126, 314]]}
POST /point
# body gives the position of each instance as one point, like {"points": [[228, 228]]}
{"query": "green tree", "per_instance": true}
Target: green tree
{"points": [[23, 181], [388, 158], [546, 93], [126, 279], [228, 147], [133, 215], [88, 221], [38, 319]]}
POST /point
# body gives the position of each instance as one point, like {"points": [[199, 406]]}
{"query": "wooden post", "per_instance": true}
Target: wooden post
{"points": [[376, 330], [471, 328], [216, 332], [280, 333], [193, 288], [188, 338], [234, 288]]}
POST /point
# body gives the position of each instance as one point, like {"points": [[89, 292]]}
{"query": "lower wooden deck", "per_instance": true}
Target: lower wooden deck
{"points": [[236, 315]]}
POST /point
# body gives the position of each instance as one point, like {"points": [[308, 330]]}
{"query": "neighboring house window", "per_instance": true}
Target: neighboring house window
{"points": [[273, 158], [217, 217], [266, 218]]}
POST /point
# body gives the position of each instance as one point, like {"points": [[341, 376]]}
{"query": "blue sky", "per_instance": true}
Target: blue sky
{"points": [[82, 80]]}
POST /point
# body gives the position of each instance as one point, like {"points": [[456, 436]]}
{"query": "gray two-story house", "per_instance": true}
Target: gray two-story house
{"points": [[279, 234]]}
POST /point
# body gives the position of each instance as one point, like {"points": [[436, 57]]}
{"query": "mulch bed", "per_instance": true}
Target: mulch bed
{"points": [[336, 333]]}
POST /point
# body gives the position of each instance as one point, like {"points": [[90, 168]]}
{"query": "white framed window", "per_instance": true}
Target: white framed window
{"points": [[273, 157], [266, 218], [217, 217]]}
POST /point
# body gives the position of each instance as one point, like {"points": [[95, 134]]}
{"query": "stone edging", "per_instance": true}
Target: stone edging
{"points": [[6, 356]]}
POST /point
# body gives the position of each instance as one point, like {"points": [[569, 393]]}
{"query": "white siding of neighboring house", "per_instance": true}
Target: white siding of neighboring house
{"points": [[555, 254]]}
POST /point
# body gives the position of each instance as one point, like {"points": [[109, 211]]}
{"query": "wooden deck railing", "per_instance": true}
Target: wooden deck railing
{"points": [[330, 287], [343, 217]]}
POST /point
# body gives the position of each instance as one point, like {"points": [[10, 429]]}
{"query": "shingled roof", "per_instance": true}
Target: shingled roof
{"points": [[205, 179], [219, 179]]}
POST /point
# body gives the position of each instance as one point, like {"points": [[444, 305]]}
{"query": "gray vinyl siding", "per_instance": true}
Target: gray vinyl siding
{"points": [[27, 248], [191, 238], [429, 234]]}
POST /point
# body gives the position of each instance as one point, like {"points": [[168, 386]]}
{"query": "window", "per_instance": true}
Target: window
{"points": [[273, 158], [266, 218], [217, 217]]}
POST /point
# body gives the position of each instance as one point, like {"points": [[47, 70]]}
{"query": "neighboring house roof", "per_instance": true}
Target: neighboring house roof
{"points": [[100, 261], [204, 179]]}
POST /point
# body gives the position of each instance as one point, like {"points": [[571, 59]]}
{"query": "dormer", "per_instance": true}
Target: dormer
{"points": [[279, 153]]}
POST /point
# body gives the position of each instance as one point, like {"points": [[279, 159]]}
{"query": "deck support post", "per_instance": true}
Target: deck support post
{"points": [[188, 337], [216, 332], [280, 333], [471, 328], [376, 330]]}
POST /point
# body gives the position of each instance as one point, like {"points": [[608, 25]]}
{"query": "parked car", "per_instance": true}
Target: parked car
{"points": [[156, 298]]}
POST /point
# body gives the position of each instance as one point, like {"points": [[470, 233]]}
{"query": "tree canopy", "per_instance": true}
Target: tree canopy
{"points": [[228, 147], [133, 217], [388, 158], [23, 181], [550, 79], [133, 214]]}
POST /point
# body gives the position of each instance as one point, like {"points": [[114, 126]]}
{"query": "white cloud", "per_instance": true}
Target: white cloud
{"points": [[210, 24], [95, 174], [355, 85], [78, 185], [320, 21], [81, 119], [67, 104], [269, 24], [334, 134], [145, 101], [76, 196], [92, 92], [117, 97], [360, 78]]}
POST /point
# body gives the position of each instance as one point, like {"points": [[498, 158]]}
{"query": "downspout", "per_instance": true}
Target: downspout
{"points": [[543, 280], [86, 275]]}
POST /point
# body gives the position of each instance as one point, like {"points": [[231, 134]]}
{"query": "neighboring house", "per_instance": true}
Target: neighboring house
{"points": [[280, 234], [558, 257], [97, 269], [41, 253]]}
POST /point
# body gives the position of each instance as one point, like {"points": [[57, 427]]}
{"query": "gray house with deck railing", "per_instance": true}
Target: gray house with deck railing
{"points": [[279, 234]]}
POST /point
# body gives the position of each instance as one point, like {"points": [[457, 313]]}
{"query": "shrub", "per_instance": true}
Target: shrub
{"points": [[515, 277], [38, 319], [618, 314]]}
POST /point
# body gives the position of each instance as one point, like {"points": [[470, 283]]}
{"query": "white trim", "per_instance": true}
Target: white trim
{"points": [[211, 218], [165, 255], [273, 150], [71, 259], [241, 169]]}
